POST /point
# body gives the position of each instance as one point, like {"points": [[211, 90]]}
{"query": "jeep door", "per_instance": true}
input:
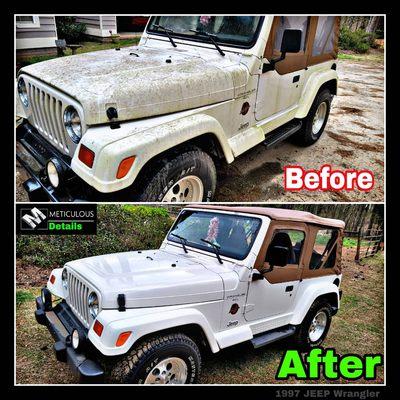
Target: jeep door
{"points": [[279, 90], [275, 293]]}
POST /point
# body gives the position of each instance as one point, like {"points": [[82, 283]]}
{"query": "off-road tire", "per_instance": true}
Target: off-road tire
{"points": [[305, 136], [137, 364], [162, 174], [301, 336]]}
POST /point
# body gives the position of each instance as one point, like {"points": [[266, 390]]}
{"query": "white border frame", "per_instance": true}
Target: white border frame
{"points": [[365, 386]]}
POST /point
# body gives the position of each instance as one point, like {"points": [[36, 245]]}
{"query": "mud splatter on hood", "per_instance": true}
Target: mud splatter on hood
{"points": [[141, 81]]}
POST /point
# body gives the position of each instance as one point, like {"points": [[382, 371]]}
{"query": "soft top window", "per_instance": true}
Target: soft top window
{"points": [[293, 239], [238, 31], [233, 234], [324, 251], [324, 40]]}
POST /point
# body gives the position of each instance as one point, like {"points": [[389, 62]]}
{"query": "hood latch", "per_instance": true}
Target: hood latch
{"points": [[121, 302]]}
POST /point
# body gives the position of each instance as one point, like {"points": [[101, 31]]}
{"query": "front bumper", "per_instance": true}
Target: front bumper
{"points": [[60, 321], [33, 152]]}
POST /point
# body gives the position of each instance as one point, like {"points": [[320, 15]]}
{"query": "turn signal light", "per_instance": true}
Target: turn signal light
{"points": [[124, 166], [86, 156], [52, 279], [122, 338], [98, 328]]}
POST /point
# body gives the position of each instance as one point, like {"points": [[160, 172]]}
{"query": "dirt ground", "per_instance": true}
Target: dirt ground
{"points": [[357, 328], [353, 138]]}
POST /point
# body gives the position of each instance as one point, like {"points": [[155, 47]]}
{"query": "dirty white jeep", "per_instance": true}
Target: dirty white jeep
{"points": [[222, 276], [151, 122]]}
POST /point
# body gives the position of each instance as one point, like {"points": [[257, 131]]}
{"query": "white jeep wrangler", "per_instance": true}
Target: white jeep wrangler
{"points": [[222, 276], [151, 122]]}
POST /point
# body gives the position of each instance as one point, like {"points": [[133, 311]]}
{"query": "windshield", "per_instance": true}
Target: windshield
{"points": [[233, 234], [239, 31]]}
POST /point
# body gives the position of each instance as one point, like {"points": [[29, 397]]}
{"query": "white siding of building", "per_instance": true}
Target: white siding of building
{"points": [[41, 34], [99, 25]]}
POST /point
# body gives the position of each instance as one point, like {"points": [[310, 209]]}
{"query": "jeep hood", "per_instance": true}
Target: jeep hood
{"points": [[149, 279], [142, 81]]}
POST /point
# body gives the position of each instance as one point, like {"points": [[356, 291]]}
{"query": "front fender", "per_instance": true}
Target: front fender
{"points": [[56, 288], [310, 90], [144, 145], [142, 322], [308, 297]]}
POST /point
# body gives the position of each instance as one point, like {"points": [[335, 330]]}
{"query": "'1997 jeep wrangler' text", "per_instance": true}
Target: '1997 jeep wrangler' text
{"points": [[223, 276], [150, 122]]}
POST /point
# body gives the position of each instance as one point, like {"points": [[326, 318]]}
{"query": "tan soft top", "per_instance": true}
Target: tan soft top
{"points": [[279, 214]]}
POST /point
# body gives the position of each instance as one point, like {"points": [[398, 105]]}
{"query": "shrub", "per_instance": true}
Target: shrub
{"points": [[69, 29], [358, 41], [119, 228]]}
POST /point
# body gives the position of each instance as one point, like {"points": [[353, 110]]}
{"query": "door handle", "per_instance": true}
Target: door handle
{"points": [[289, 288], [296, 78]]}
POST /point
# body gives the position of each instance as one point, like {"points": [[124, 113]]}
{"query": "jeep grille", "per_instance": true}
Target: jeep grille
{"points": [[78, 293], [47, 115]]}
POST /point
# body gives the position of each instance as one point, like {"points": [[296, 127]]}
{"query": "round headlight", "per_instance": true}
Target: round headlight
{"points": [[93, 304], [54, 171], [23, 93], [64, 279], [72, 123]]}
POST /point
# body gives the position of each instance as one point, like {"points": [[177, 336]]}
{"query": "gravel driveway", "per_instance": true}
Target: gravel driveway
{"points": [[353, 138]]}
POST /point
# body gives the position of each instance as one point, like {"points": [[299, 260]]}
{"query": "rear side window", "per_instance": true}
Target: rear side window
{"points": [[324, 251], [324, 37]]}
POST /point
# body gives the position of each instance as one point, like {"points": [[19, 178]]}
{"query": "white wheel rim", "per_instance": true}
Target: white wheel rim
{"points": [[319, 118], [188, 189], [318, 326], [171, 371]]}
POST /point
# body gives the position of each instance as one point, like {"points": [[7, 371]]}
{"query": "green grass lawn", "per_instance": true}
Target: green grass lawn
{"points": [[375, 56], [350, 242], [357, 328]]}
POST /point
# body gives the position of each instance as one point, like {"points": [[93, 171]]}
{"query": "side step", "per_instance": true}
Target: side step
{"points": [[282, 133], [273, 336]]}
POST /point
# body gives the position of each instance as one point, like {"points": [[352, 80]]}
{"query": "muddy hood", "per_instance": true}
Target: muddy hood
{"points": [[149, 279], [141, 81]]}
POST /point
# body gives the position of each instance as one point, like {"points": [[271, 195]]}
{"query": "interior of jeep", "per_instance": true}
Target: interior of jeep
{"points": [[292, 240], [324, 251]]}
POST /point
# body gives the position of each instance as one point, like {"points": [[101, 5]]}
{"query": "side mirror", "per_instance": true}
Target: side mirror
{"points": [[278, 256], [291, 41], [257, 276]]}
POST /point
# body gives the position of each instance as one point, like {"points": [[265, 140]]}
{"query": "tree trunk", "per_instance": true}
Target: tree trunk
{"points": [[372, 24]]}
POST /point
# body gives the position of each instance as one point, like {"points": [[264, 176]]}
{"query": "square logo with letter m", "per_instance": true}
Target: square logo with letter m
{"points": [[32, 218]]}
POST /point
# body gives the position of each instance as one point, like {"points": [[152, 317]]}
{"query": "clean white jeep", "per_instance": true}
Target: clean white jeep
{"points": [[223, 276], [151, 122]]}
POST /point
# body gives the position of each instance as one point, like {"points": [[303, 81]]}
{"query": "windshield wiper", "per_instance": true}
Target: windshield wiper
{"points": [[216, 249], [183, 241], [168, 32], [212, 39]]}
